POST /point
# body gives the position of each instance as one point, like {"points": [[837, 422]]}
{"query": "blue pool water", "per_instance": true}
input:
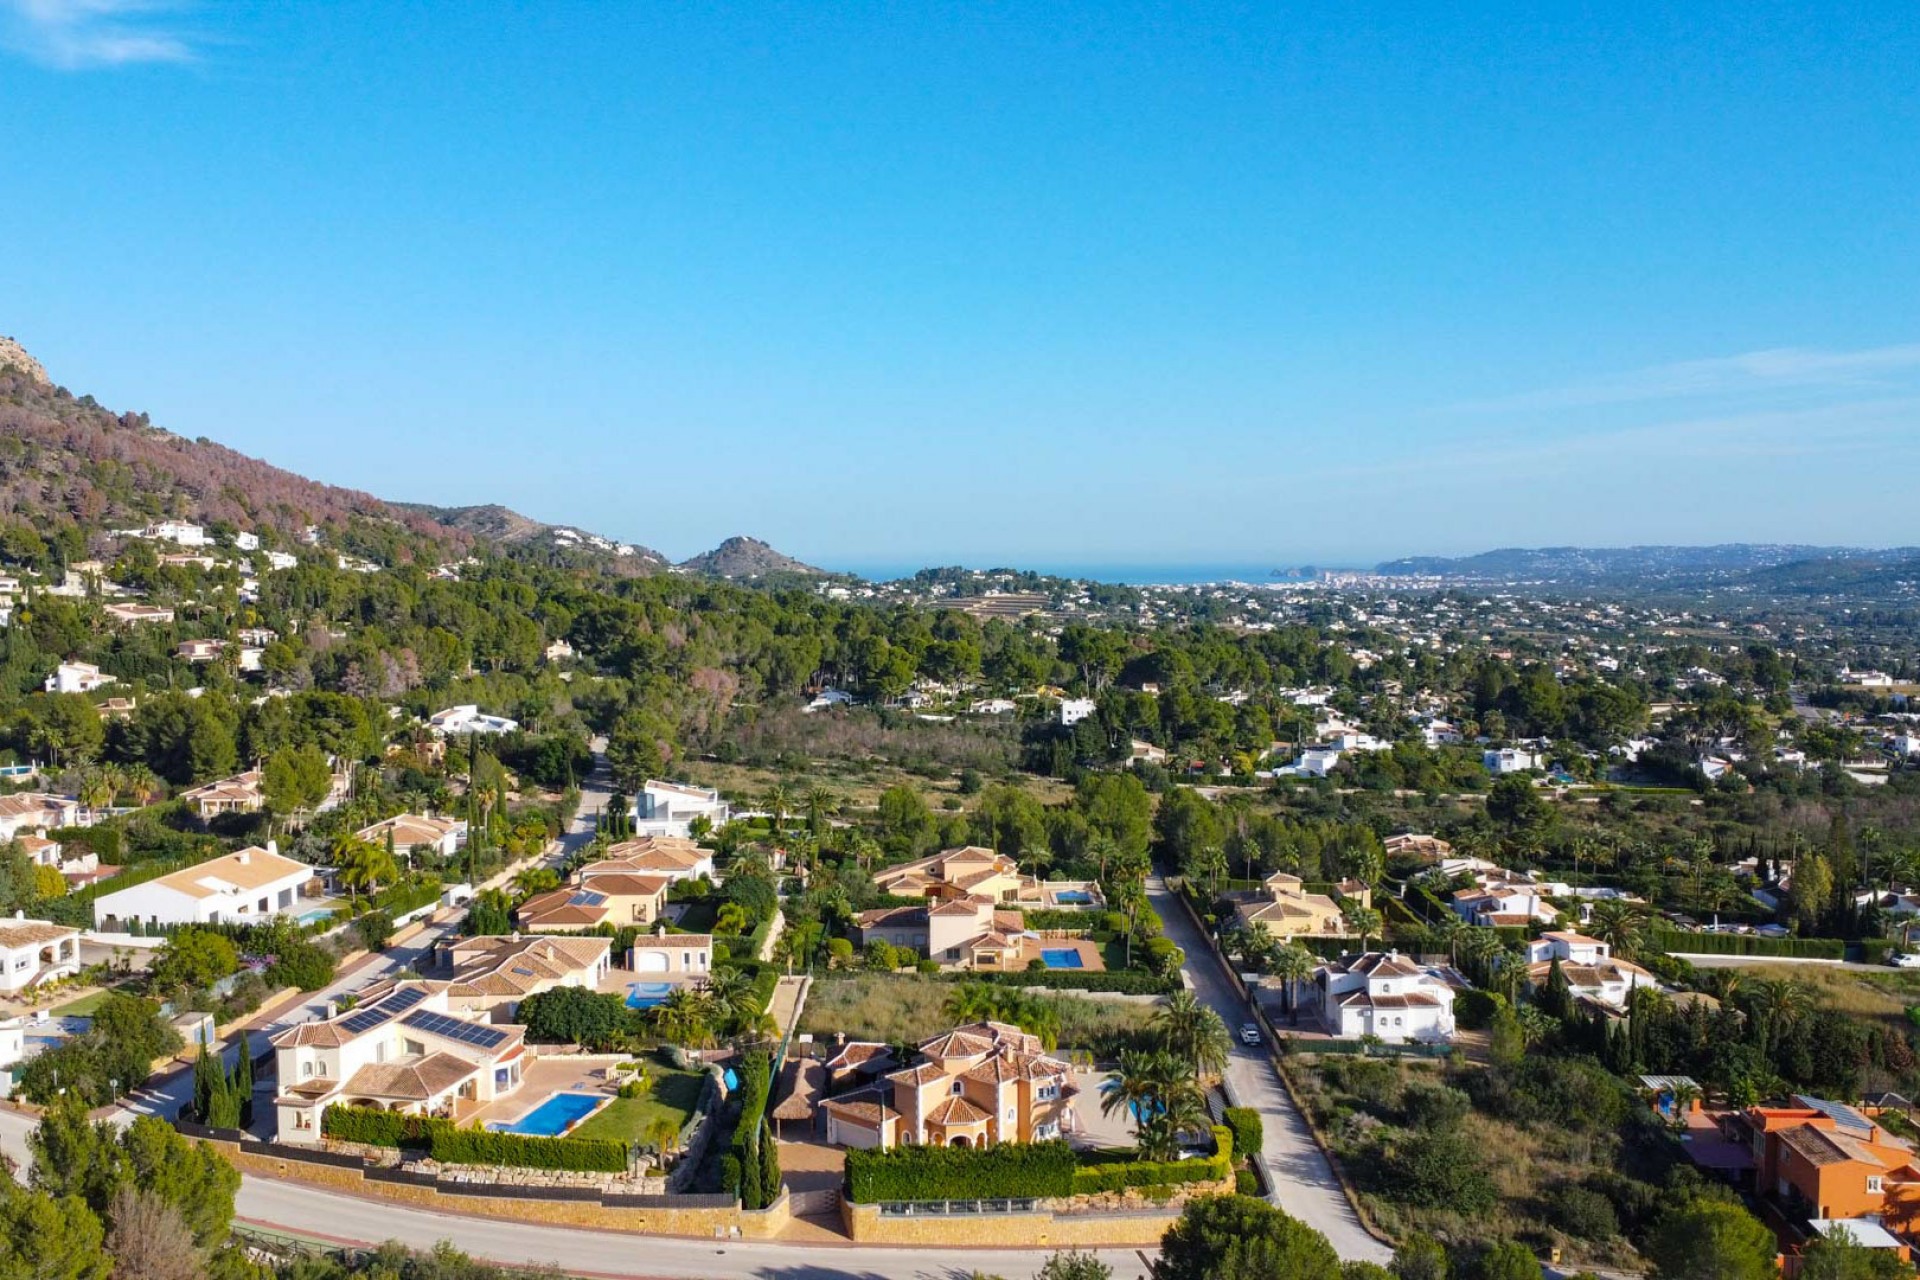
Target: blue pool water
{"points": [[315, 915], [553, 1117], [645, 995], [1076, 897], [1061, 958]]}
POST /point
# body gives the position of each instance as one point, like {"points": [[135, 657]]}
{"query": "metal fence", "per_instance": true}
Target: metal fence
{"points": [[956, 1208]]}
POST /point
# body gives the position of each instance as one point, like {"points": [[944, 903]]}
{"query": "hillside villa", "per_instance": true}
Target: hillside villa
{"points": [[669, 809], [239, 794], [683, 957], [984, 1083], [401, 1049], [409, 835], [613, 897], [247, 887], [468, 719], [1413, 845], [972, 871], [1386, 995], [76, 677], [669, 857], [492, 975], [1289, 911], [1593, 973], [27, 812], [1825, 1163], [33, 952]]}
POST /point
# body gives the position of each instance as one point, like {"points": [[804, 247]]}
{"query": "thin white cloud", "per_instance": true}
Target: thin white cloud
{"points": [[1778, 369], [78, 35]]}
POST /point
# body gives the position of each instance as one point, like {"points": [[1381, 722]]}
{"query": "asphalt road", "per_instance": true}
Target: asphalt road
{"points": [[1304, 1182]]}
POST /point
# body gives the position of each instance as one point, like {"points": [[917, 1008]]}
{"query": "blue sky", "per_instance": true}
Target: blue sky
{"points": [[1043, 284]]}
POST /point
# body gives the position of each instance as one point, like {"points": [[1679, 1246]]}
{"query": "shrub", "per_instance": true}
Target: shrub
{"points": [[1246, 1183], [1473, 1010], [1438, 1171], [301, 964], [1581, 1212], [374, 929], [450, 1144], [1433, 1106], [961, 1173], [574, 1015], [1249, 1133]]}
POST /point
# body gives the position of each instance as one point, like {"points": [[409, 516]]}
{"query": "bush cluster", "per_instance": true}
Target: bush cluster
{"points": [[1249, 1132], [1094, 1178], [1747, 944]]}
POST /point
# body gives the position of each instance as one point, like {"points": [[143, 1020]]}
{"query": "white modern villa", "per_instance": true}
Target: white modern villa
{"points": [[246, 887]]}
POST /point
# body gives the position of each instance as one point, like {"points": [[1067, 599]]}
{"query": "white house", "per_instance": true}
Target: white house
{"points": [[281, 560], [827, 699], [178, 532], [402, 1048], [36, 951], [669, 808], [237, 888], [1503, 902], [1591, 970], [76, 677], [1074, 710], [1907, 744], [1314, 762], [1385, 994], [468, 719], [1866, 679], [1507, 760], [673, 956]]}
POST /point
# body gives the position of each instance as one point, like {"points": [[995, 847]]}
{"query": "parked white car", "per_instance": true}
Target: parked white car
{"points": [[1908, 960]]}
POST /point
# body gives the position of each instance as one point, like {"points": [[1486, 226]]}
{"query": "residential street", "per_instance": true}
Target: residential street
{"points": [[1304, 1183]]}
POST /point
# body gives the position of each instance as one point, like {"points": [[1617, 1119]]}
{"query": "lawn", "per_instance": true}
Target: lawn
{"points": [[673, 1095], [1880, 996], [909, 1008], [83, 1007]]}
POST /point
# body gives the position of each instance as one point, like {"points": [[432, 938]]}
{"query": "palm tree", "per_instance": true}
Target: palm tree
{"points": [[1293, 964], [684, 1018], [143, 784], [529, 881], [365, 868], [1193, 1033], [778, 803], [1621, 925], [1366, 923], [97, 789], [819, 802], [1534, 1024], [731, 993]]}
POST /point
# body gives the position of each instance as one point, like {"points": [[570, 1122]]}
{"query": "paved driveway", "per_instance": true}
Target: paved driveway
{"points": [[1303, 1181]]}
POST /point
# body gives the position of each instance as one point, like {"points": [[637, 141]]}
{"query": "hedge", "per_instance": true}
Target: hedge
{"points": [[912, 1172], [1115, 1176], [1249, 1133], [450, 1144], [1747, 944], [1131, 982]]}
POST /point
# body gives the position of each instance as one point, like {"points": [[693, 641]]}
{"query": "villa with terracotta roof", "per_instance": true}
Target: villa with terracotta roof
{"points": [[412, 834], [402, 1048], [1824, 1160], [972, 871], [1415, 845], [1388, 995], [1595, 975], [246, 887], [1289, 911], [669, 857], [611, 899], [983, 1083], [971, 933], [239, 794], [25, 812], [676, 956], [492, 975]]}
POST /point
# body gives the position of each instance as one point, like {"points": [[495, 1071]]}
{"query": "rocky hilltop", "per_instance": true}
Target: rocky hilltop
{"points": [[15, 355], [740, 557], [557, 543]]}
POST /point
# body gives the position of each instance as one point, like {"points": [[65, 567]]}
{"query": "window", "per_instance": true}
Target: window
{"points": [[303, 1120], [955, 1091], [1874, 1185], [306, 1069]]}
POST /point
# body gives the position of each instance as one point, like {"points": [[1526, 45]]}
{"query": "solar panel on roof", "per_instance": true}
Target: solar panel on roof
{"points": [[1843, 1115], [586, 898], [364, 1020], [403, 1000], [440, 1024]]}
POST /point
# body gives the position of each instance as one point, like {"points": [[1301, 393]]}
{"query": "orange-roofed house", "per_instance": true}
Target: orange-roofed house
{"points": [[1822, 1159], [984, 1083]]}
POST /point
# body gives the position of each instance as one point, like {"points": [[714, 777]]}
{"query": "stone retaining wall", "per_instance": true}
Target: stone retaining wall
{"points": [[1043, 1229], [672, 1221]]}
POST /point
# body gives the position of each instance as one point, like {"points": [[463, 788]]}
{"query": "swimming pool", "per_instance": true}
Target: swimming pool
{"points": [[645, 995], [1073, 897], [315, 916], [554, 1116], [1061, 958]]}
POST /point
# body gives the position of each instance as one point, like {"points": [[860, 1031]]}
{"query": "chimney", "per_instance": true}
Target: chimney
{"points": [[333, 1009], [243, 856]]}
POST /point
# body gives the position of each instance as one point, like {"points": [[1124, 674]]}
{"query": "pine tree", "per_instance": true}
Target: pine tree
{"points": [[1556, 997], [769, 1167]]}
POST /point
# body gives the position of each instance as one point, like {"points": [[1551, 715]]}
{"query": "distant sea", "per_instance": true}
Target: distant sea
{"points": [[1133, 575]]}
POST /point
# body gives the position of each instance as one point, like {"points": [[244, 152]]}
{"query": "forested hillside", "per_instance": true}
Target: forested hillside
{"points": [[70, 469]]}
